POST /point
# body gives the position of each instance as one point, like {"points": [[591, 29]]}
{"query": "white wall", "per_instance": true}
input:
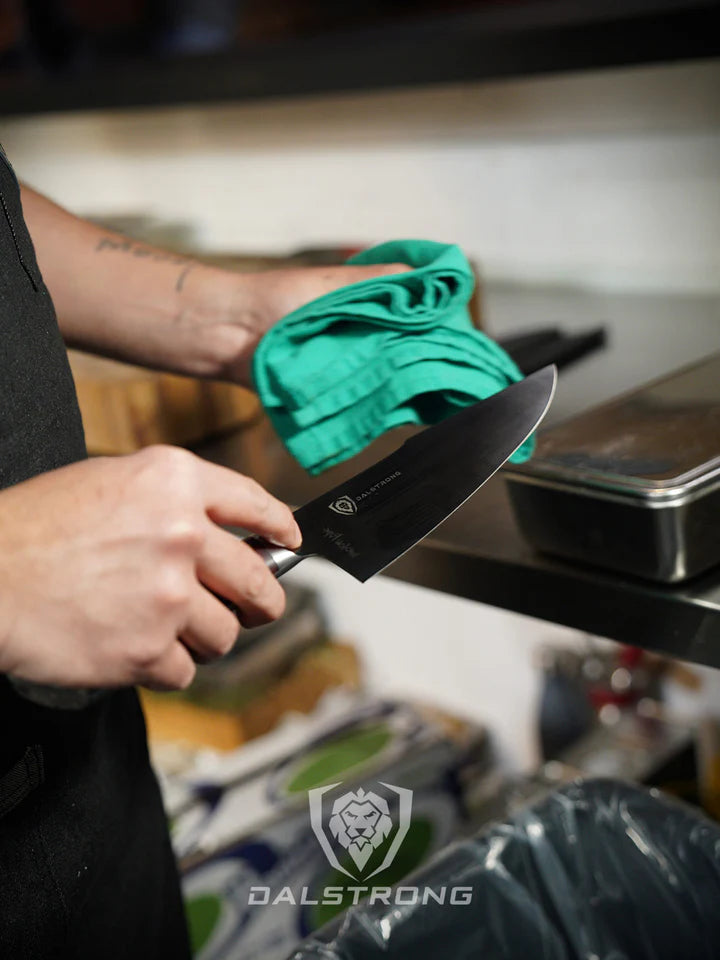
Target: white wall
{"points": [[608, 179], [467, 657]]}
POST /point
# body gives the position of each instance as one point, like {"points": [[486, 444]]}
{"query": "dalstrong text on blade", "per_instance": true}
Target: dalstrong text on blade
{"points": [[376, 486], [347, 505]]}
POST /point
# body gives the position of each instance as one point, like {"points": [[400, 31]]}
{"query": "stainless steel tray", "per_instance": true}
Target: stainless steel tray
{"points": [[634, 484]]}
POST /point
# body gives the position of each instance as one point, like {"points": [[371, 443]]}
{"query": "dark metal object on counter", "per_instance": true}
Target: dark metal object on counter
{"points": [[535, 349], [632, 485]]}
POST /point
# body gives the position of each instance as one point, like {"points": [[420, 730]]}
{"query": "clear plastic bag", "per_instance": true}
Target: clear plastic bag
{"points": [[599, 870]]}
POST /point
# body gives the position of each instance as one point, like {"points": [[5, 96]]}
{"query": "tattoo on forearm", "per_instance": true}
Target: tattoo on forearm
{"points": [[142, 252], [182, 275], [138, 250]]}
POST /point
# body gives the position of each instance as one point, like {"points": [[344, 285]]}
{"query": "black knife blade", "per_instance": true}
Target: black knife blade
{"points": [[366, 522]]}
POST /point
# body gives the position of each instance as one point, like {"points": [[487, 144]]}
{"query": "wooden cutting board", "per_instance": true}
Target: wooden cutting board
{"points": [[125, 408]]}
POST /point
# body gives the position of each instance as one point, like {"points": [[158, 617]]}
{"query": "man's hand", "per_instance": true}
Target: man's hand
{"points": [[264, 298], [278, 292], [107, 568]]}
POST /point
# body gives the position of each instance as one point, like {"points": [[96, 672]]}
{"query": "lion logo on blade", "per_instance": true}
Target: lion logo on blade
{"points": [[360, 822], [344, 506]]}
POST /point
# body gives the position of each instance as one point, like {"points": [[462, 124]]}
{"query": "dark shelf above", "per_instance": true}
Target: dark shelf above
{"points": [[496, 40], [479, 552]]}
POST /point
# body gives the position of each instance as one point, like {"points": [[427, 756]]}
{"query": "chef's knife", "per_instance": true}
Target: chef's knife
{"points": [[366, 522]]}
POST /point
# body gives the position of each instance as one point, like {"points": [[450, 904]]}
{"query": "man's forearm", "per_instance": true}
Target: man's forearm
{"points": [[131, 301], [128, 300]]}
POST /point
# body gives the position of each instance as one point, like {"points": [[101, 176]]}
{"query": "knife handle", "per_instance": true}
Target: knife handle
{"points": [[278, 560]]}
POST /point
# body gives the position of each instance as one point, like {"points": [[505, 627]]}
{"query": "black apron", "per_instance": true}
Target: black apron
{"points": [[86, 868]]}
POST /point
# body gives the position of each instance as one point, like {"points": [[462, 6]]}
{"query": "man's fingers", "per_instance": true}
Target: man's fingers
{"points": [[338, 277], [211, 629], [233, 499], [368, 271], [232, 569], [175, 670]]}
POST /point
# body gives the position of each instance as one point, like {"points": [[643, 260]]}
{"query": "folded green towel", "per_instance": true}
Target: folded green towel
{"points": [[339, 371]]}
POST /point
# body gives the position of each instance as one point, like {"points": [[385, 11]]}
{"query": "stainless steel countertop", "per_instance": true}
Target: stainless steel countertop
{"points": [[478, 553]]}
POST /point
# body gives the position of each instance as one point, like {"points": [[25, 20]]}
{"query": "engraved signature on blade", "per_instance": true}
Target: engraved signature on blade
{"points": [[340, 542], [346, 505]]}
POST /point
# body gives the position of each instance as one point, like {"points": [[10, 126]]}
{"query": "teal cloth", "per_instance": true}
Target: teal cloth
{"points": [[339, 371]]}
